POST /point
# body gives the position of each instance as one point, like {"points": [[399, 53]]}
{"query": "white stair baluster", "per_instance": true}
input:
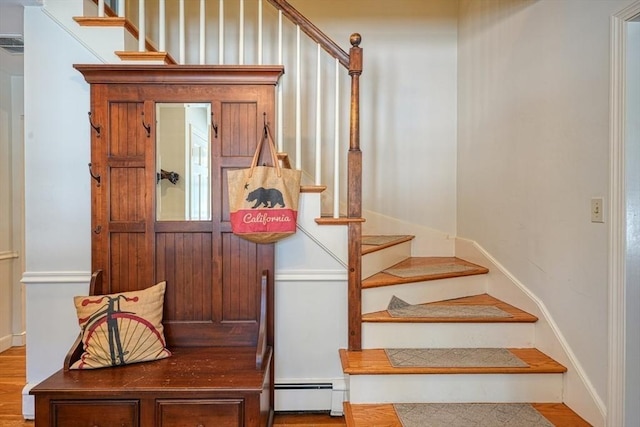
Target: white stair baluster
{"points": [[298, 106], [280, 101], [241, 35], [259, 32], [181, 32], [202, 31], [318, 179], [336, 148], [101, 8], [121, 8], [221, 32], [162, 26], [141, 27]]}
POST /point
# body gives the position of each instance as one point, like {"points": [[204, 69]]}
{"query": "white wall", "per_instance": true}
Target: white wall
{"points": [[7, 250], [533, 150], [408, 102], [57, 192], [12, 325]]}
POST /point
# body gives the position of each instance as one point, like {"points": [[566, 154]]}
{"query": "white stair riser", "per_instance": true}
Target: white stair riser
{"points": [[455, 388], [377, 299], [375, 262], [447, 335]]}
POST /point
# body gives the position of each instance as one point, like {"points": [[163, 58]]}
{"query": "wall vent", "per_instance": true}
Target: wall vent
{"points": [[12, 43]]}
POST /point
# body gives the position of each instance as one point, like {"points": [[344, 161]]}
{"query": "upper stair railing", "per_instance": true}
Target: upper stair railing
{"points": [[201, 32]]}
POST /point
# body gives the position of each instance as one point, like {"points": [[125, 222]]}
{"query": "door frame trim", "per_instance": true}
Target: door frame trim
{"points": [[617, 207]]}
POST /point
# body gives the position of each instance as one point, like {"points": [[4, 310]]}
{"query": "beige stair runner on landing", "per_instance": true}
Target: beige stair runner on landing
{"points": [[469, 414]]}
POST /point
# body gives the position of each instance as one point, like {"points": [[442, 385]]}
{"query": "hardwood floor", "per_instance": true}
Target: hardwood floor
{"points": [[13, 379]]}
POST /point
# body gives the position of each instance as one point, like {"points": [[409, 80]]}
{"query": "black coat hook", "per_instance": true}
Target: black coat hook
{"points": [[146, 126], [214, 126], [173, 177], [94, 176], [96, 128]]}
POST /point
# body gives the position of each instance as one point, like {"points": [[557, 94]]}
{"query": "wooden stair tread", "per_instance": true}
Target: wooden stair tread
{"points": [[312, 188], [384, 415], [375, 362], [146, 56], [366, 249], [517, 315], [385, 279], [343, 220]]}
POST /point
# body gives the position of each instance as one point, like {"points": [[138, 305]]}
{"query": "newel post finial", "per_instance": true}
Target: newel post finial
{"points": [[355, 39], [355, 54]]}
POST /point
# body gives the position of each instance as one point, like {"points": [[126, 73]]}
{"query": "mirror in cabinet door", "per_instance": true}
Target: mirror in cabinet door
{"points": [[183, 161]]}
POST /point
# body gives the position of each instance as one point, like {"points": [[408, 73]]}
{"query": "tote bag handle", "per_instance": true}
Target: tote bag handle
{"points": [[266, 134]]}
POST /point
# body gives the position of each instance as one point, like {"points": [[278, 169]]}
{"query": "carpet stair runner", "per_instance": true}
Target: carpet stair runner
{"points": [[443, 352], [385, 414]]}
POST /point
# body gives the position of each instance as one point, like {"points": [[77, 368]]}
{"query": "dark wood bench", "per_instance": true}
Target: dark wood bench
{"points": [[200, 386]]}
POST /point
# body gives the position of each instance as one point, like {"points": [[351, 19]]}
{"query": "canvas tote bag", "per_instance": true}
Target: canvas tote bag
{"points": [[263, 200]]}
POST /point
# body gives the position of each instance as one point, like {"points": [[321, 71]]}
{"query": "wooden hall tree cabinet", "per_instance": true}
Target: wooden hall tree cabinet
{"points": [[218, 308]]}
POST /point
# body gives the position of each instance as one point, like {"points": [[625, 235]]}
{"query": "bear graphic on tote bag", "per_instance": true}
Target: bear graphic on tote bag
{"points": [[263, 200]]}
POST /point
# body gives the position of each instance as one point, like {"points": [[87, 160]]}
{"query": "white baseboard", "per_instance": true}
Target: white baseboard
{"points": [[5, 343], [28, 403], [19, 340], [584, 399]]}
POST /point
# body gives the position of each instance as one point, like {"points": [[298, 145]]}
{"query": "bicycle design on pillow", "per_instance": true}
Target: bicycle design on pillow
{"points": [[122, 335]]}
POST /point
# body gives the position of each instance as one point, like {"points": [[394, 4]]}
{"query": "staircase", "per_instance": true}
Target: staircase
{"points": [[374, 384], [436, 288]]}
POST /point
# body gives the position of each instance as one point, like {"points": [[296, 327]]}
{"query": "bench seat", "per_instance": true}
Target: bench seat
{"points": [[208, 386]]}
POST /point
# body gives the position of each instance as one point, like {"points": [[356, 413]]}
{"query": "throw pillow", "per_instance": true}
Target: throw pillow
{"points": [[123, 328]]}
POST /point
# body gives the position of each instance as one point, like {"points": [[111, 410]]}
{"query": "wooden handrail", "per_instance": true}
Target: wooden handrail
{"points": [[312, 31]]}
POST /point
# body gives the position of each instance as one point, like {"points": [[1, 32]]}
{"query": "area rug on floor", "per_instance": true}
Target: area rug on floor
{"points": [[378, 240], [453, 358], [429, 270], [400, 308], [470, 414]]}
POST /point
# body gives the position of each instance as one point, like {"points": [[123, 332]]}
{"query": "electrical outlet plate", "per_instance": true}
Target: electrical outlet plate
{"points": [[597, 206]]}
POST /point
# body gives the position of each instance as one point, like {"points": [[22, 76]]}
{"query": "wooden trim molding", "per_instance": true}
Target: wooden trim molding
{"points": [[183, 74], [54, 277], [8, 255], [617, 207]]}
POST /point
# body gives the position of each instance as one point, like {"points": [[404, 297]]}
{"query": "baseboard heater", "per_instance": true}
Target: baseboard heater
{"points": [[308, 397], [314, 386]]}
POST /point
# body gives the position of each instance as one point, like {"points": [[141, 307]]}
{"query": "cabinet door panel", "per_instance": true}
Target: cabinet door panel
{"points": [[128, 262], [185, 261], [238, 128], [201, 413], [127, 136], [95, 413], [127, 194]]}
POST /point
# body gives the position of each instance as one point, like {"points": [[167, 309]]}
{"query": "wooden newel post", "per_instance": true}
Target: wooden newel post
{"points": [[354, 198]]}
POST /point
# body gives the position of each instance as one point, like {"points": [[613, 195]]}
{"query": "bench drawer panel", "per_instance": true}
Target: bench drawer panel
{"points": [[95, 413], [200, 413]]}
